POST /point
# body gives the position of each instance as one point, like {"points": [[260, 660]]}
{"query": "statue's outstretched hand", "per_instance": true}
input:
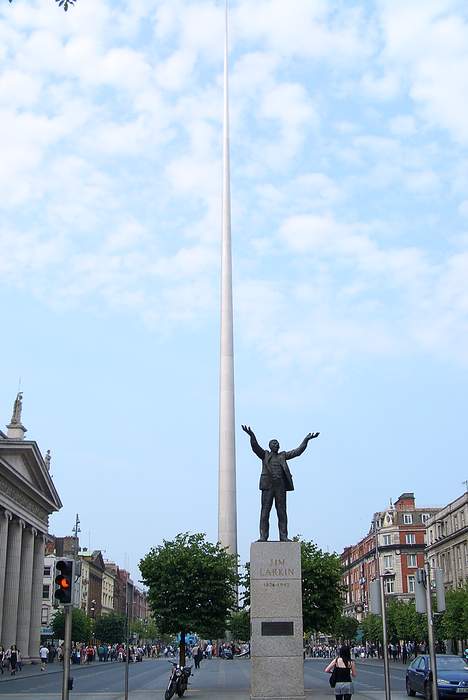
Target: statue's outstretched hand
{"points": [[311, 436], [247, 429]]}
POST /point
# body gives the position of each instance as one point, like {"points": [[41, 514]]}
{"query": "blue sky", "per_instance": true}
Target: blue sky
{"points": [[350, 235]]}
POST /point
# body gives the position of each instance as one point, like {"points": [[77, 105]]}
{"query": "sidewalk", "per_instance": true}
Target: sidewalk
{"points": [[30, 670]]}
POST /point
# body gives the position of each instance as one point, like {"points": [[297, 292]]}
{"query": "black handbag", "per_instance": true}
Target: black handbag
{"points": [[332, 679]]}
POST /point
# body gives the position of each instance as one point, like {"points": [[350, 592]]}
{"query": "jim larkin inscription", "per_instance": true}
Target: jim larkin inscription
{"points": [[277, 567], [275, 481]]}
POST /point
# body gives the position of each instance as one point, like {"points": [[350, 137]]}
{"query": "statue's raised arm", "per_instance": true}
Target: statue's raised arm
{"points": [[302, 447], [259, 451]]}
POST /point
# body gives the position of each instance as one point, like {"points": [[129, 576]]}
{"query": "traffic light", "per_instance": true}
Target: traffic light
{"points": [[64, 581]]}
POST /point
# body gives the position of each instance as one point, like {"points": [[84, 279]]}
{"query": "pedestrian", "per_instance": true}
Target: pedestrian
{"points": [[345, 672], [13, 655], [197, 655], [44, 656]]}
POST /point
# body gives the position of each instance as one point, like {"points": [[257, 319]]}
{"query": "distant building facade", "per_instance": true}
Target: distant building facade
{"points": [[27, 498], [447, 542], [401, 531]]}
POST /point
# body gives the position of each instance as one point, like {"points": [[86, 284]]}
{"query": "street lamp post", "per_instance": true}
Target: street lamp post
{"points": [[92, 610], [384, 612]]}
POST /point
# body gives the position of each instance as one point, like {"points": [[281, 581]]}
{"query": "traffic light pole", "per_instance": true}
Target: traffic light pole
{"points": [[430, 632], [67, 610]]}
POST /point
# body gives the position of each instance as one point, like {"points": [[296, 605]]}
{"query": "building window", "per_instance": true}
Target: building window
{"points": [[388, 561], [45, 616], [387, 539], [455, 523], [47, 571], [410, 538], [407, 518], [425, 517], [411, 584], [412, 561], [45, 592], [389, 585]]}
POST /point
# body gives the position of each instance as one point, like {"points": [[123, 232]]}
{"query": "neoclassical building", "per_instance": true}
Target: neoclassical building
{"points": [[27, 498]]}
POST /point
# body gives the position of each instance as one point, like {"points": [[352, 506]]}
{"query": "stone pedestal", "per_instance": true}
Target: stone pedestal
{"points": [[276, 620]]}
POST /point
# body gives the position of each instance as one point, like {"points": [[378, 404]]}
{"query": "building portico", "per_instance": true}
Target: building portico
{"points": [[27, 498]]}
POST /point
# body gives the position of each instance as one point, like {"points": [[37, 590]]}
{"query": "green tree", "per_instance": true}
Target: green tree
{"points": [[345, 628], [372, 628], [403, 622], [454, 623], [192, 586], [239, 624], [321, 587], [82, 625], [145, 629], [110, 628]]}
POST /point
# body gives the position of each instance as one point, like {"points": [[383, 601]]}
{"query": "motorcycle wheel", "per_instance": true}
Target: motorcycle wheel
{"points": [[169, 693]]}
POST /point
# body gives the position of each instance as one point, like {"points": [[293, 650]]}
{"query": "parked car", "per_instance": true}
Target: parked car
{"points": [[452, 676]]}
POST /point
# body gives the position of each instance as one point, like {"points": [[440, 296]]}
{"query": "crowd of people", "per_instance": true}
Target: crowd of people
{"points": [[10, 660], [400, 651]]}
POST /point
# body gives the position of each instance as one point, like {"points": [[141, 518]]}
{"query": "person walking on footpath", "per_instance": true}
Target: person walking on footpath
{"points": [[12, 656], [345, 671], [44, 656]]}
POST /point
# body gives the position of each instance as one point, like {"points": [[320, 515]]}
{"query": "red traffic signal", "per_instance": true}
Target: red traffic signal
{"points": [[64, 581]]}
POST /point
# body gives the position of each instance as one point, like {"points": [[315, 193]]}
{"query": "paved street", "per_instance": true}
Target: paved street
{"points": [[217, 679]]}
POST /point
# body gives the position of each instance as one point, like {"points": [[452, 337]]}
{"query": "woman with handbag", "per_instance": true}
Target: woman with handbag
{"points": [[342, 670]]}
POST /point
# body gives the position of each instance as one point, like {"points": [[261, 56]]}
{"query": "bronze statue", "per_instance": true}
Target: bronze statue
{"points": [[275, 480]]}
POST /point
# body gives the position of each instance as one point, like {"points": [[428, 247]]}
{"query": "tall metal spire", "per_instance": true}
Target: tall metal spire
{"points": [[227, 507]]}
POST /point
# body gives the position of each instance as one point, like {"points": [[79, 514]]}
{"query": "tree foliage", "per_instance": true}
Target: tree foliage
{"points": [[239, 625], [145, 629], [82, 625], [321, 587], [345, 628], [372, 628], [454, 623], [110, 628], [404, 623], [192, 585]]}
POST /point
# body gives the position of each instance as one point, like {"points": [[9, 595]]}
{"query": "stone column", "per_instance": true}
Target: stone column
{"points": [[12, 580], [24, 597], [36, 596], [5, 517]]}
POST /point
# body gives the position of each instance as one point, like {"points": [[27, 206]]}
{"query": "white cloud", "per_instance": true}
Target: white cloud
{"points": [[428, 44], [110, 134]]}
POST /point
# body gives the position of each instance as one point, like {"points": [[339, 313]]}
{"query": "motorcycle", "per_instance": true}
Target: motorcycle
{"points": [[178, 680]]}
